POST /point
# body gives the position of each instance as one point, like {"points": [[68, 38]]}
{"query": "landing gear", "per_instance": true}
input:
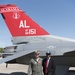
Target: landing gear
{"points": [[6, 65]]}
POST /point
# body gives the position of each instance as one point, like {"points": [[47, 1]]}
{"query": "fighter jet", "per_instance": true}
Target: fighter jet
{"points": [[29, 36]]}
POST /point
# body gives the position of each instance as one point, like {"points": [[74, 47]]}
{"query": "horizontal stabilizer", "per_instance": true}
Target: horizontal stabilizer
{"points": [[5, 53], [15, 55]]}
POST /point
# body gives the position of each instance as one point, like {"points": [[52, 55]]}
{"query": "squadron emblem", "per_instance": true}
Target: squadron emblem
{"points": [[16, 15]]}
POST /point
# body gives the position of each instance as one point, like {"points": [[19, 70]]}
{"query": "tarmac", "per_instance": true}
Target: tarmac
{"points": [[13, 69], [19, 69]]}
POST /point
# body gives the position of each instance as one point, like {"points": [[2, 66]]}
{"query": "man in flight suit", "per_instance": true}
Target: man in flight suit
{"points": [[35, 65]]}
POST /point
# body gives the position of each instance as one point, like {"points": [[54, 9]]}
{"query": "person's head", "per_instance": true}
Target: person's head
{"points": [[36, 53], [48, 54]]}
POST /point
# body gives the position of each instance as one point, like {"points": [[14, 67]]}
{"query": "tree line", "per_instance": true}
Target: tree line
{"points": [[1, 50]]}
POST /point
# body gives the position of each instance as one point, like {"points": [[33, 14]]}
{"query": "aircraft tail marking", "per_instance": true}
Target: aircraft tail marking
{"points": [[18, 23]]}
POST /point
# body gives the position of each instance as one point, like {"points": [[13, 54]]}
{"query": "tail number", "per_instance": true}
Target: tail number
{"points": [[27, 28], [30, 31]]}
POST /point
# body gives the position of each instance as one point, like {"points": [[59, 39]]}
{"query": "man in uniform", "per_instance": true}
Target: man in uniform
{"points": [[48, 65], [35, 65]]}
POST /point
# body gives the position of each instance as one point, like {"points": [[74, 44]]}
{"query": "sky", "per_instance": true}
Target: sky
{"points": [[56, 16]]}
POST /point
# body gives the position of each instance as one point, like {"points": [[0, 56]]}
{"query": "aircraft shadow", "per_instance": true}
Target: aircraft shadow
{"points": [[14, 73]]}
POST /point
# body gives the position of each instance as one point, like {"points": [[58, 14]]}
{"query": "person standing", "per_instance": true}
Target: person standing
{"points": [[35, 65], [48, 65]]}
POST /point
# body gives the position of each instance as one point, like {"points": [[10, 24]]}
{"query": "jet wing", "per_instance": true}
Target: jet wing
{"points": [[15, 55]]}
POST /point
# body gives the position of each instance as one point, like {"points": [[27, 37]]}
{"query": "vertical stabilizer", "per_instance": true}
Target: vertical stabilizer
{"points": [[19, 23]]}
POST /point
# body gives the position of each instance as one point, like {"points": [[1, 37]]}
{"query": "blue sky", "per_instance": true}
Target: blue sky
{"points": [[55, 16]]}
